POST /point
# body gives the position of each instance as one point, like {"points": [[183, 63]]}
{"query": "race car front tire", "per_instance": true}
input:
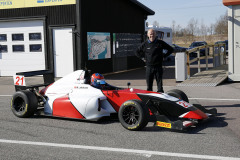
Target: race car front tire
{"points": [[24, 104], [178, 94], [133, 115]]}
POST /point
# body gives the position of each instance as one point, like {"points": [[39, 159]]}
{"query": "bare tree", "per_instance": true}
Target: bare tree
{"points": [[179, 31], [203, 30], [155, 23], [186, 35], [173, 31], [211, 29], [192, 27], [195, 31], [221, 26]]}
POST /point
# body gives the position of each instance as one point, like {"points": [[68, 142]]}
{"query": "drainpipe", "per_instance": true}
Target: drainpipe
{"points": [[79, 38]]}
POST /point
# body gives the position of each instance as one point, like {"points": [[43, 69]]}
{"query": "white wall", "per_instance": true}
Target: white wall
{"points": [[234, 43]]}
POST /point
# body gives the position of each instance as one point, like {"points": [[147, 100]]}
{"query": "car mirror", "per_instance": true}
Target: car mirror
{"points": [[128, 84]]}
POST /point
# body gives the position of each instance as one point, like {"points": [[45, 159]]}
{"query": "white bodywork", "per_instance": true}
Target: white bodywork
{"points": [[84, 97]]}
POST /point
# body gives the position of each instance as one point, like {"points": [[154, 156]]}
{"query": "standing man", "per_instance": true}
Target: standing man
{"points": [[151, 52]]}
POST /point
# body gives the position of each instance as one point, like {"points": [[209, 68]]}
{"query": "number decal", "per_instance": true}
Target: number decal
{"points": [[19, 80]]}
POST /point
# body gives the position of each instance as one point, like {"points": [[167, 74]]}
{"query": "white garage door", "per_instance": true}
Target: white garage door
{"points": [[22, 47]]}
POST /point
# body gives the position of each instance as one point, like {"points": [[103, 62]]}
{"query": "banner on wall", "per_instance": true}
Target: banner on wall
{"points": [[10, 4], [98, 45], [125, 44]]}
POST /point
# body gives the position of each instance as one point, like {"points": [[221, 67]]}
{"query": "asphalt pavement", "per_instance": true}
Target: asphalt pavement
{"points": [[42, 137]]}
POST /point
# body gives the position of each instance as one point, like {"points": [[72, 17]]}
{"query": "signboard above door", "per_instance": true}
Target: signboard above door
{"points": [[8, 4]]}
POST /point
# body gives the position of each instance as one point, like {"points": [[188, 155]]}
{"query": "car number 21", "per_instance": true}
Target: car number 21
{"points": [[19, 80]]}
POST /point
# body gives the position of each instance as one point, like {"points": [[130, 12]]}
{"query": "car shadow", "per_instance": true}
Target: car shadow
{"points": [[224, 106], [140, 73], [219, 121]]}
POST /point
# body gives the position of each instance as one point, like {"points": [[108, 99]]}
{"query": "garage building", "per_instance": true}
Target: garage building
{"points": [[66, 35], [233, 39]]}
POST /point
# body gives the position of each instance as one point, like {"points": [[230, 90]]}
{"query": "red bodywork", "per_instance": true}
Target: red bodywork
{"points": [[62, 107], [117, 97]]}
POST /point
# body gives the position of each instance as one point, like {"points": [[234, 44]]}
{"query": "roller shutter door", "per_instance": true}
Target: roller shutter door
{"points": [[21, 46]]}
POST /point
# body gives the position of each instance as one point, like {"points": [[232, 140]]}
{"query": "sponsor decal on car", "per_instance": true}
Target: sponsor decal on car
{"points": [[184, 104], [133, 127], [129, 103], [80, 87], [163, 124]]}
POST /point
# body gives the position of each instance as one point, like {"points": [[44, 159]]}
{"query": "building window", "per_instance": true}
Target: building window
{"points": [[35, 36], [3, 49], [35, 48], [17, 37], [3, 37], [18, 48], [168, 34]]}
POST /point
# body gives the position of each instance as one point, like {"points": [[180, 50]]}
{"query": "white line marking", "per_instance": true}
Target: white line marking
{"points": [[5, 95], [215, 99], [122, 150]]}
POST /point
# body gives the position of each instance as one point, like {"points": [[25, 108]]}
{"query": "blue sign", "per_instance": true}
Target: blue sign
{"points": [[40, 1]]}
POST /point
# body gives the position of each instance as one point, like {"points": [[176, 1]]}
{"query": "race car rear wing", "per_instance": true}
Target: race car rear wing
{"points": [[19, 79]]}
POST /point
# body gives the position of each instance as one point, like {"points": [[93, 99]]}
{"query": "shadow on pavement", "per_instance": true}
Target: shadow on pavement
{"points": [[139, 74]]}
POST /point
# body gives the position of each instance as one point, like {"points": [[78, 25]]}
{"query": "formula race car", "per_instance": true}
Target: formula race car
{"points": [[73, 97]]}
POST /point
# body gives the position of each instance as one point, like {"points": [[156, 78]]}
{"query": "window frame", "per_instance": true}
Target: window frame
{"points": [[5, 51], [35, 39], [34, 50], [18, 45], [3, 40], [168, 34], [18, 39]]}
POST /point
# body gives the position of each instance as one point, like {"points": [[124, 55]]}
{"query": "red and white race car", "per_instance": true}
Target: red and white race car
{"points": [[73, 97]]}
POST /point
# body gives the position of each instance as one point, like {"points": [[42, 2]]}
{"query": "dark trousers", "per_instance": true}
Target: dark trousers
{"points": [[151, 72]]}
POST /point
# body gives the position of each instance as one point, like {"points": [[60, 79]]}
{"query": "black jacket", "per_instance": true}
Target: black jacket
{"points": [[153, 52]]}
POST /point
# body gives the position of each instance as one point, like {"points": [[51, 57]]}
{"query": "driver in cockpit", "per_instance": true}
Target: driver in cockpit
{"points": [[98, 81]]}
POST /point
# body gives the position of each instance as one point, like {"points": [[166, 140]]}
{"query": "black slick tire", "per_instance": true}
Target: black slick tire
{"points": [[133, 115], [24, 104], [178, 94]]}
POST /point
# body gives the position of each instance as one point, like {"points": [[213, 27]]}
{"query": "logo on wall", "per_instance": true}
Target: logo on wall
{"points": [[9, 4], [5, 3], [40, 1]]}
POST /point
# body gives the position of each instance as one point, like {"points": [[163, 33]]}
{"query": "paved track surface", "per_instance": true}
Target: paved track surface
{"points": [[107, 139]]}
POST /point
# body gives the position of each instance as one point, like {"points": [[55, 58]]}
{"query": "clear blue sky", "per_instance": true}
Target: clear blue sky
{"points": [[183, 10]]}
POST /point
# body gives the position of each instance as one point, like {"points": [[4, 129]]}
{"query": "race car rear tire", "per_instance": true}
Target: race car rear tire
{"points": [[133, 115], [24, 104], [178, 94]]}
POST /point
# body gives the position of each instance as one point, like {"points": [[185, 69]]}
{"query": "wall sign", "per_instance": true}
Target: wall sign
{"points": [[9, 4], [98, 45]]}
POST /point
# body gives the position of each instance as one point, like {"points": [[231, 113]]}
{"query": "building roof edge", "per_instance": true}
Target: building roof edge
{"points": [[148, 10]]}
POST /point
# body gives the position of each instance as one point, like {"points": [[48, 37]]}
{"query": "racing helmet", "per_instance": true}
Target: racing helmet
{"points": [[97, 80]]}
